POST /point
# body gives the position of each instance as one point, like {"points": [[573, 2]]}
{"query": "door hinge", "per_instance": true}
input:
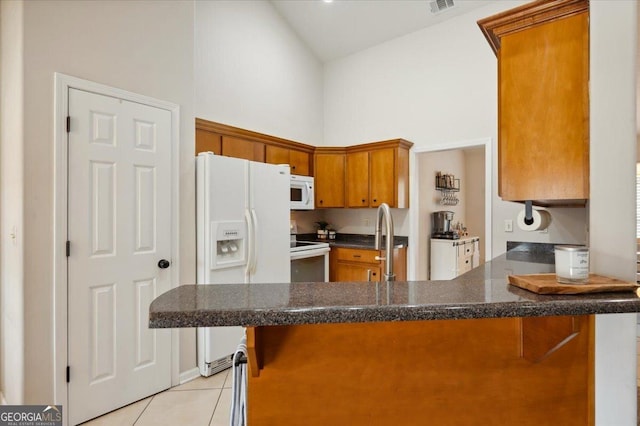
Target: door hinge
{"points": [[68, 124], [68, 248], [68, 374]]}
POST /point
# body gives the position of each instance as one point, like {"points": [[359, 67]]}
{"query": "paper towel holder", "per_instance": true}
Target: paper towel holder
{"points": [[540, 220], [528, 212]]}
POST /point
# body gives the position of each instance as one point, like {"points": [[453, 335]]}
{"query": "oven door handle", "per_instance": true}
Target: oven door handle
{"points": [[303, 254]]}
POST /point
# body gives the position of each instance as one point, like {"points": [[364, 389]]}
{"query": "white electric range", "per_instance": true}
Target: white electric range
{"points": [[309, 261]]}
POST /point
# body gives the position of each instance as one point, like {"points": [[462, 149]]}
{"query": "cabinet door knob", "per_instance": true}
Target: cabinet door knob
{"points": [[363, 200], [321, 201], [375, 200], [163, 264], [293, 167]]}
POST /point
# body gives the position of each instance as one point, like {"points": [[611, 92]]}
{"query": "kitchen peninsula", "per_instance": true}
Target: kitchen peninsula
{"points": [[473, 350]]}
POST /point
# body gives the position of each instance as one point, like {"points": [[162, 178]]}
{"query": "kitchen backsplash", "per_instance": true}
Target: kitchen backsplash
{"points": [[350, 221], [306, 220]]}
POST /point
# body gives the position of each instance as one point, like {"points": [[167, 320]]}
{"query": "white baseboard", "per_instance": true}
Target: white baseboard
{"points": [[187, 376]]}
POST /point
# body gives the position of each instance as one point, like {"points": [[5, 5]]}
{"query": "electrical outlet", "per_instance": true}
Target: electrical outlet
{"points": [[508, 225], [366, 222]]}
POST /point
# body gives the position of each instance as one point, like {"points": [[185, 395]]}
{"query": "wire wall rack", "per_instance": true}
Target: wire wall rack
{"points": [[449, 186]]}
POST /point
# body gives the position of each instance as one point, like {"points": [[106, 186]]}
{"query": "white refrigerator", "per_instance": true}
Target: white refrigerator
{"points": [[242, 237]]}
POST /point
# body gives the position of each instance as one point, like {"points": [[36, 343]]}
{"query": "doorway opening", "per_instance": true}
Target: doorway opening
{"points": [[469, 164]]}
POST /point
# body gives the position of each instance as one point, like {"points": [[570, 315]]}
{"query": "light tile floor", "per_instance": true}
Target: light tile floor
{"points": [[200, 402]]}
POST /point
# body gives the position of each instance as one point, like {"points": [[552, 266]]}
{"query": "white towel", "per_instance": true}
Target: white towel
{"points": [[239, 387]]}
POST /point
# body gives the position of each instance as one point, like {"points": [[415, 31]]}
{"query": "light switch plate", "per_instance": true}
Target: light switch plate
{"points": [[508, 225]]}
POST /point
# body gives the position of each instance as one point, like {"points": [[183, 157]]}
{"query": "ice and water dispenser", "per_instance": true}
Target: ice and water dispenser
{"points": [[229, 238]]}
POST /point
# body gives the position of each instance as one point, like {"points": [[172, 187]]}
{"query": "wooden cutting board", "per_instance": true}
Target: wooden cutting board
{"points": [[547, 284]]}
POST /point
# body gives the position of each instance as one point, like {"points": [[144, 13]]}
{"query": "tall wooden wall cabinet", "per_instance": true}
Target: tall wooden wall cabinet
{"points": [[543, 101]]}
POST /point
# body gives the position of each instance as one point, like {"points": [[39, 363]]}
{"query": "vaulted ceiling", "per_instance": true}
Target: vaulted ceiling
{"points": [[342, 27]]}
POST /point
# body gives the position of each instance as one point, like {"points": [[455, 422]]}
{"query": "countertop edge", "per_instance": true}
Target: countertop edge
{"points": [[335, 315]]}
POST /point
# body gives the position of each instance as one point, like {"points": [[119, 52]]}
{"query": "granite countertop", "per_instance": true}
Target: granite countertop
{"points": [[484, 292], [354, 240]]}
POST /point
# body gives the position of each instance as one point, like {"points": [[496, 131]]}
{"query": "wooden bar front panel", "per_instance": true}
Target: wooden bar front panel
{"points": [[449, 372]]}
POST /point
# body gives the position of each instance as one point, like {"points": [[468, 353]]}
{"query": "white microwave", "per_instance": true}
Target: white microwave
{"points": [[302, 192]]}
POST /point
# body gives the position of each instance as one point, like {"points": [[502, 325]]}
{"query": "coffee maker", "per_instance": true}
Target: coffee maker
{"points": [[441, 226]]}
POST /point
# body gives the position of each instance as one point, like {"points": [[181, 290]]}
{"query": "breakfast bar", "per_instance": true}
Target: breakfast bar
{"points": [[472, 350]]}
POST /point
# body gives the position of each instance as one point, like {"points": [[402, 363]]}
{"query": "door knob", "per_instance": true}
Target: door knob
{"points": [[163, 264]]}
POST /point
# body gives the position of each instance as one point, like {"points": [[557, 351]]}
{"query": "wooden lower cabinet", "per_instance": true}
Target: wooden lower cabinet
{"points": [[356, 272], [354, 264], [441, 372]]}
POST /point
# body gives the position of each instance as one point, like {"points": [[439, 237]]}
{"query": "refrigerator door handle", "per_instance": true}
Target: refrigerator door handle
{"points": [[254, 243], [250, 240]]}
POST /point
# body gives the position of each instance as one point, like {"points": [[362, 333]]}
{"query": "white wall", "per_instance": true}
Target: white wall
{"points": [[427, 164], [436, 86], [11, 208], [363, 221], [613, 31], [474, 195], [252, 71], [140, 46]]}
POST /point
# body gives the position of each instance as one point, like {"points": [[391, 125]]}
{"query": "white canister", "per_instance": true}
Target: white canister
{"points": [[572, 264]]}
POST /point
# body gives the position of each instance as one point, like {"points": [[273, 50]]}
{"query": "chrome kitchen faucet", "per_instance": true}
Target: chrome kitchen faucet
{"points": [[384, 212]]}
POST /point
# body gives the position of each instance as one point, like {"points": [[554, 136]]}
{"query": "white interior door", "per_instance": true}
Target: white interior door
{"points": [[119, 225]]}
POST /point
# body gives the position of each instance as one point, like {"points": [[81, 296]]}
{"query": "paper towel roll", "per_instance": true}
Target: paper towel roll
{"points": [[541, 219]]}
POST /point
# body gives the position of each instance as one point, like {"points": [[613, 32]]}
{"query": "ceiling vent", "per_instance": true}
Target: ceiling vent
{"points": [[438, 6]]}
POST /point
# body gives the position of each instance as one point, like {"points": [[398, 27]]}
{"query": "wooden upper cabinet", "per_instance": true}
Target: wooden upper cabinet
{"points": [[378, 173], [364, 175], [358, 179], [208, 141], [242, 148], [382, 177], [543, 101], [241, 143], [277, 155], [297, 160], [329, 169]]}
